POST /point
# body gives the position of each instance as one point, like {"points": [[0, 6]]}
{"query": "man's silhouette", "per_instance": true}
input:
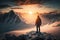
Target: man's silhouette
{"points": [[38, 23]]}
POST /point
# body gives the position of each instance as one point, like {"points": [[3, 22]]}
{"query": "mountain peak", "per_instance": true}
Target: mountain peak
{"points": [[10, 17], [11, 12]]}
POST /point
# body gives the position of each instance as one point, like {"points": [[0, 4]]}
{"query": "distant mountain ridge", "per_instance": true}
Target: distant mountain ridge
{"points": [[9, 21], [9, 17]]}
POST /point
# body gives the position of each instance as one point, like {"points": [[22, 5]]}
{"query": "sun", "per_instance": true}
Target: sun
{"points": [[30, 12]]}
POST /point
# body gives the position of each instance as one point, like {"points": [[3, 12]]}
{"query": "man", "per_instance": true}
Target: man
{"points": [[38, 23]]}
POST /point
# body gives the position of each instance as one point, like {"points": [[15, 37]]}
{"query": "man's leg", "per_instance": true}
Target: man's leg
{"points": [[37, 29]]}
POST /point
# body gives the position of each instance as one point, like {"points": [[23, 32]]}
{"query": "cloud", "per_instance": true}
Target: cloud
{"points": [[36, 1], [56, 24], [28, 1], [52, 28], [7, 3], [4, 6], [48, 28], [52, 16]]}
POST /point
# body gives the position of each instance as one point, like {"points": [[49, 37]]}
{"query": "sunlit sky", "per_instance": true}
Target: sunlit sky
{"points": [[34, 8], [31, 11], [27, 8]]}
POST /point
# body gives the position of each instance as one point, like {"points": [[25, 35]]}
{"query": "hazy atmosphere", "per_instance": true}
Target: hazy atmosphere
{"points": [[19, 16]]}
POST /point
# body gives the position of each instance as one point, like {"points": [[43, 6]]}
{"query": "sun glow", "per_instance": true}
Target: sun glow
{"points": [[33, 9], [30, 12]]}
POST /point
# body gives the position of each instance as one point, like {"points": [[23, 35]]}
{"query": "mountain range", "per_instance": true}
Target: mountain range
{"points": [[9, 17], [8, 21]]}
